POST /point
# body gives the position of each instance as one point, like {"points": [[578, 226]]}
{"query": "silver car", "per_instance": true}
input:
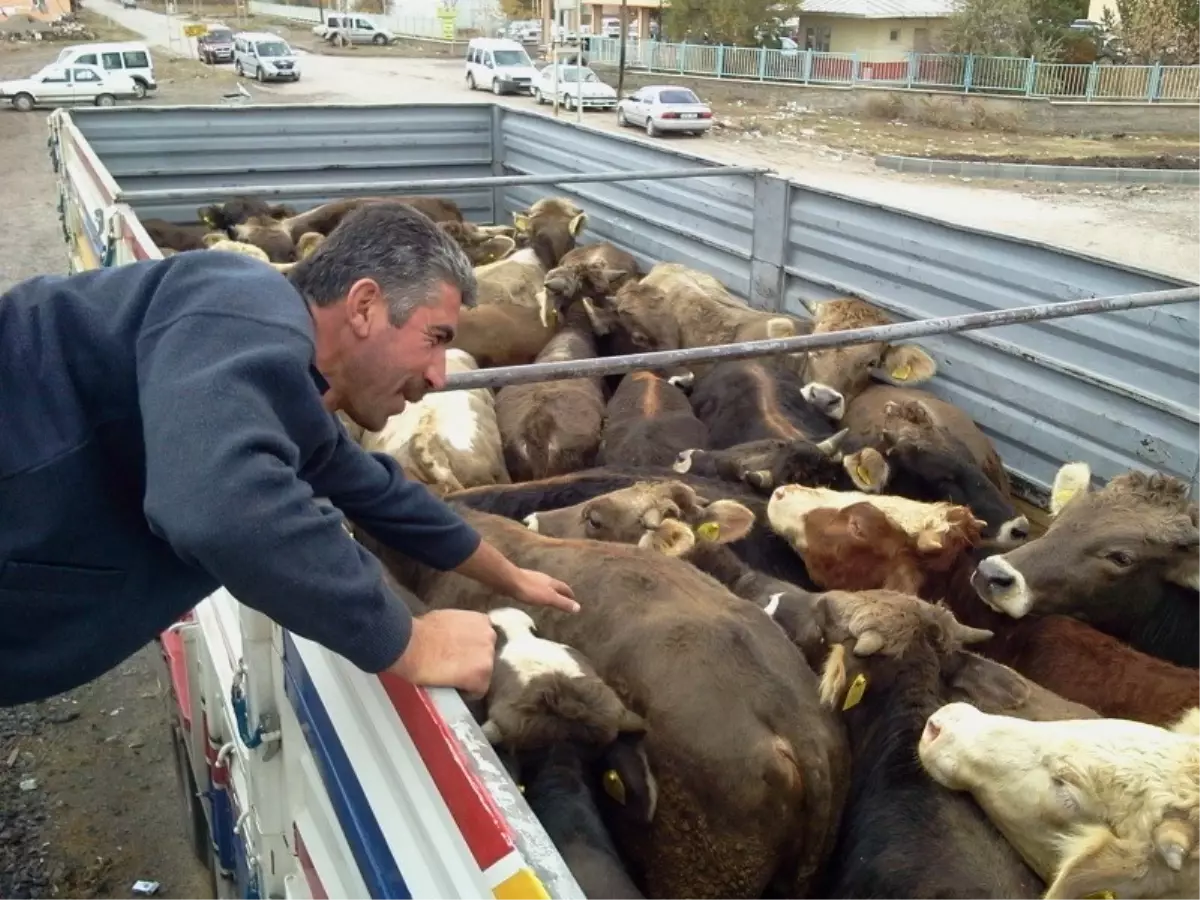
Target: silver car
{"points": [[665, 107]]}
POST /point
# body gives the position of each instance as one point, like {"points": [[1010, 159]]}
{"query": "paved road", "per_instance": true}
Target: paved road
{"points": [[1156, 230]]}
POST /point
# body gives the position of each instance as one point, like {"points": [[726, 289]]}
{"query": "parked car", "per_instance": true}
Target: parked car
{"points": [[356, 28], [130, 58], [265, 56], [215, 45], [574, 82], [56, 85], [500, 65], [665, 107]]}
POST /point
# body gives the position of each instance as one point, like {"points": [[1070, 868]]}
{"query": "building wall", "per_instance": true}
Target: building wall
{"points": [[847, 34]]}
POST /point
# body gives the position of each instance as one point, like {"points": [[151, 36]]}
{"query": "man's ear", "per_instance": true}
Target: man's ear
{"points": [[361, 304]]}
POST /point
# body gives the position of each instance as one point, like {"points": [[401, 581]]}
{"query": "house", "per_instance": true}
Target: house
{"points": [[879, 27]]}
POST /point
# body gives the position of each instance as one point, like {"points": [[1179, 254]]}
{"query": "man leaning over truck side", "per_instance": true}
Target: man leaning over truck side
{"points": [[166, 426]]}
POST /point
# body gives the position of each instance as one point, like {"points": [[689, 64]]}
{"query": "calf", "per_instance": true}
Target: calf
{"points": [[595, 270], [933, 451], [1092, 805], [559, 786], [542, 693], [895, 812], [450, 439], [501, 334], [553, 427], [180, 238], [481, 245], [551, 227], [649, 422], [750, 400], [1123, 559], [753, 801]]}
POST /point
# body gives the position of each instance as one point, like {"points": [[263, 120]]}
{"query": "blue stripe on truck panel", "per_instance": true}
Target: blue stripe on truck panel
{"points": [[375, 860]]}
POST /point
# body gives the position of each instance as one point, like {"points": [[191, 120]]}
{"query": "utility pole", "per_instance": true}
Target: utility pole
{"points": [[621, 56]]}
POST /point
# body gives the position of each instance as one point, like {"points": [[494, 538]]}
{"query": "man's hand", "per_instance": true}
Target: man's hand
{"points": [[539, 589], [449, 648]]}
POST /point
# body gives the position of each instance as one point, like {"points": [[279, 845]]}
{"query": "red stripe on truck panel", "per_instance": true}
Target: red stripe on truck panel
{"points": [[139, 251], [172, 651], [87, 164], [315, 887], [486, 831]]}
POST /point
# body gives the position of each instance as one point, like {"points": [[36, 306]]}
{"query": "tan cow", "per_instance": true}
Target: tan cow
{"points": [[483, 245], [499, 334], [450, 439], [551, 227], [592, 271], [750, 771]]}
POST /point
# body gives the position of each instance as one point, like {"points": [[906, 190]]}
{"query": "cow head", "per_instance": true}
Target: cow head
{"points": [[850, 369], [565, 285], [667, 517], [1109, 556], [638, 317], [924, 462], [551, 226], [766, 463], [482, 246]]}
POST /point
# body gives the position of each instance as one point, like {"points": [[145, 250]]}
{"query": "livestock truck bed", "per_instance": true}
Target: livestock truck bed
{"points": [[319, 780]]}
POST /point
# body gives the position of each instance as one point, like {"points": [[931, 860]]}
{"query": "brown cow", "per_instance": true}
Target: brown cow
{"points": [[499, 334], [750, 770], [481, 245], [551, 226], [933, 451], [553, 427], [180, 238], [595, 271], [1123, 559], [649, 422]]}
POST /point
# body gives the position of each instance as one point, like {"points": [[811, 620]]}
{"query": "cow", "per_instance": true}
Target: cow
{"points": [[761, 550], [894, 811], [559, 784], [595, 270], [749, 400], [933, 451], [750, 770], [450, 439], [1093, 805], [501, 334], [543, 692], [481, 245], [180, 238], [1123, 559], [649, 421], [553, 427], [551, 227], [849, 370]]}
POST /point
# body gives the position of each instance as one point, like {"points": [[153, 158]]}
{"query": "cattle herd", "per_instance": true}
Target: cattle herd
{"points": [[820, 652]]}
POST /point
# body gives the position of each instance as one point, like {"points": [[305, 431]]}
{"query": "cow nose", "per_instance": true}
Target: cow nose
{"points": [[995, 576], [778, 494], [1017, 529]]}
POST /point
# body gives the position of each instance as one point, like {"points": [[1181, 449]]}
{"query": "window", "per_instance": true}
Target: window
{"points": [[511, 58], [817, 38], [136, 59], [82, 75], [111, 60], [88, 60], [364, 25], [272, 49], [894, 34], [677, 95], [55, 76]]}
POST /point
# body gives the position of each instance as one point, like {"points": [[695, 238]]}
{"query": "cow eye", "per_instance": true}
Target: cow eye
{"points": [[592, 519], [1119, 558]]}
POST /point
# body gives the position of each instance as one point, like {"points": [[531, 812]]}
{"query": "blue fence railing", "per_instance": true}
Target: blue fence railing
{"points": [[1005, 75]]}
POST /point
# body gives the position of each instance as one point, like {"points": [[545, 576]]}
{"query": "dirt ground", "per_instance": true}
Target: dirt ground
{"points": [[100, 808]]}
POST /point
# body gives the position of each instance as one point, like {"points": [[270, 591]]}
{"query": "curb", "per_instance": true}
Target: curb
{"points": [[1031, 172]]}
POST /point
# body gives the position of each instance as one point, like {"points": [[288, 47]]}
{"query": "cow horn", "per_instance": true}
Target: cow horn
{"points": [[557, 283], [652, 518], [868, 642], [969, 635], [830, 445]]}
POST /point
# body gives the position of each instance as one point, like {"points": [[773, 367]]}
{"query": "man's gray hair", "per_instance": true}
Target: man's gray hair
{"points": [[402, 249]]}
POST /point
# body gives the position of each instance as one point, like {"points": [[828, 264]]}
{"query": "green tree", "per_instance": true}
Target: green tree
{"points": [[727, 21], [1036, 28], [1157, 31], [517, 9]]}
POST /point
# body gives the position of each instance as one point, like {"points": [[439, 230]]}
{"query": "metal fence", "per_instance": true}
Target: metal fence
{"points": [[1003, 75]]}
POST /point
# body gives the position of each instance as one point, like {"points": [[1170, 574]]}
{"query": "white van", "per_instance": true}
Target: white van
{"points": [[130, 58], [500, 65], [265, 56]]}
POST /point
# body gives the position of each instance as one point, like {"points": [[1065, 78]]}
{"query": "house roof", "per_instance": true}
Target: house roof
{"points": [[880, 9]]}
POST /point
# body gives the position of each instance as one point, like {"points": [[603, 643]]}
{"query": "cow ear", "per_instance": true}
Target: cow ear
{"points": [[576, 224], [1072, 480], [671, 538], [868, 470], [212, 216], [521, 222], [906, 364], [990, 686], [780, 328], [1185, 571], [499, 247], [214, 237], [627, 778], [725, 521]]}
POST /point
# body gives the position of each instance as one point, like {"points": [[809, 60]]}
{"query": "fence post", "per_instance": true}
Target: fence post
{"points": [[913, 63], [650, 64], [683, 47], [762, 63], [1030, 77], [968, 73], [720, 59], [808, 60], [1093, 74], [854, 68], [1154, 92]]}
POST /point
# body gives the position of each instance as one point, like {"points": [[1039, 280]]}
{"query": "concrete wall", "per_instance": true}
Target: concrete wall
{"points": [[944, 108], [847, 34]]}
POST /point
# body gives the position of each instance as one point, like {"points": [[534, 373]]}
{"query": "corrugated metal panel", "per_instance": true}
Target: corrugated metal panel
{"points": [[229, 147], [705, 222], [1120, 390]]}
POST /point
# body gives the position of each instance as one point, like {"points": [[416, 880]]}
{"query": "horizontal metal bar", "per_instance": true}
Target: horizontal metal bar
{"points": [[441, 184], [613, 365]]}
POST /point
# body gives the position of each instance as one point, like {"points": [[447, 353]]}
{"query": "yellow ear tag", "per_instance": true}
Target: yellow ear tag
{"points": [[854, 696], [862, 473], [708, 531], [903, 373], [521, 788], [1061, 498], [614, 786], [207, 220], [1102, 895]]}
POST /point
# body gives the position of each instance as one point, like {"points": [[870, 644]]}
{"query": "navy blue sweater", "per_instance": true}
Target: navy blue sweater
{"points": [[162, 434]]}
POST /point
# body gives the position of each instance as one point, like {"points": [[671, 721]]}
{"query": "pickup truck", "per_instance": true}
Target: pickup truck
{"points": [[304, 777]]}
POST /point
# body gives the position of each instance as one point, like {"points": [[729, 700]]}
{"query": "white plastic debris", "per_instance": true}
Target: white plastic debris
{"points": [[146, 888], [29, 784]]}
